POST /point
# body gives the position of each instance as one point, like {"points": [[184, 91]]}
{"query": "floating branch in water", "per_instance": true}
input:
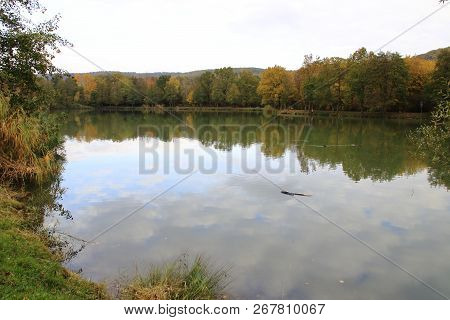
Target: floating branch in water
{"points": [[295, 194]]}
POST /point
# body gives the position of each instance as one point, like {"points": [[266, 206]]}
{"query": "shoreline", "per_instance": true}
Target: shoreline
{"points": [[31, 260], [280, 113]]}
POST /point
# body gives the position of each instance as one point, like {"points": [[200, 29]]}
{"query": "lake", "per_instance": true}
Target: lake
{"points": [[375, 226]]}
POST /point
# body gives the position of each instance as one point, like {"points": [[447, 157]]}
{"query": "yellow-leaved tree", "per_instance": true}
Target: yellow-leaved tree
{"points": [[276, 87], [420, 72]]}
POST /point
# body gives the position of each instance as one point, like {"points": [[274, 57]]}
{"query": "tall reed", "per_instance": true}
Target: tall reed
{"points": [[29, 144]]}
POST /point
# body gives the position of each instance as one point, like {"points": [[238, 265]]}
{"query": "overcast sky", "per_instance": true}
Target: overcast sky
{"points": [[177, 35]]}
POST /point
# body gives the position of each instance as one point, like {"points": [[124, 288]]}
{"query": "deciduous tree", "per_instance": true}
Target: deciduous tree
{"points": [[276, 86]]}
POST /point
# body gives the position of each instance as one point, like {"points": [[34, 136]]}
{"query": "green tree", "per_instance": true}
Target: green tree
{"points": [[202, 89], [221, 84], [26, 52], [327, 83], [101, 95], [136, 93], [305, 82], [358, 78], [159, 94], [441, 74], [247, 85], [65, 89], [388, 76], [233, 95], [338, 88]]}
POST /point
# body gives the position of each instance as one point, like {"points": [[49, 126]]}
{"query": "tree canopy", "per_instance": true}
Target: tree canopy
{"points": [[26, 52]]}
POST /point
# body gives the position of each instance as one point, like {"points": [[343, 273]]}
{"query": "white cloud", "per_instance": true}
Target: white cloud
{"points": [[176, 35]]}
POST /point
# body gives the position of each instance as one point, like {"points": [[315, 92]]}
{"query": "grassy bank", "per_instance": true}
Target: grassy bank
{"points": [[30, 259], [29, 269]]}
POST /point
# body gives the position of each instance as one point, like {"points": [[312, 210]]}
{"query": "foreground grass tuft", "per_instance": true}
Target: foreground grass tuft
{"points": [[178, 280]]}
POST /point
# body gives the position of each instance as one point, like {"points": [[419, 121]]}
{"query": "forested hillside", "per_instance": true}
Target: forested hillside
{"points": [[433, 54], [365, 81]]}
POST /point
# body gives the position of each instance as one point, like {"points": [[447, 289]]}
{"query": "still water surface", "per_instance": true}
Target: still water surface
{"points": [[360, 174]]}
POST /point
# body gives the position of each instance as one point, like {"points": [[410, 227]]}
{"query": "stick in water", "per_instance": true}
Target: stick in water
{"points": [[295, 194]]}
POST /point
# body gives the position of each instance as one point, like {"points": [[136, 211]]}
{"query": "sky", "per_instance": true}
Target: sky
{"points": [[177, 35]]}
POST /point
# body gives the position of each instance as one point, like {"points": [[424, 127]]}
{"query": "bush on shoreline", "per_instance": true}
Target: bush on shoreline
{"points": [[432, 141]]}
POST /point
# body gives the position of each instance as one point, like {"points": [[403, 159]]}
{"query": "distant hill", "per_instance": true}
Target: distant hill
{"points": [[190, 74], [432, 55]]}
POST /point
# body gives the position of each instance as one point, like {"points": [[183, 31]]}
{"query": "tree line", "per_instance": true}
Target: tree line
{"points": [[366, 82]]}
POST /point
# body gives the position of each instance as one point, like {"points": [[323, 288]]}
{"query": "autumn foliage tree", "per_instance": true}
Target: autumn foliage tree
{"points": [[276, 87], [420, 74]]}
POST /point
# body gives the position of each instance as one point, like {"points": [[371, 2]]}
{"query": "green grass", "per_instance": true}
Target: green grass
{"points": [[179, 280], [28, 269]]}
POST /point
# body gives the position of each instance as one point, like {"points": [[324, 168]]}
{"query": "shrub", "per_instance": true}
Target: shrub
{"points": [[432, 141]]}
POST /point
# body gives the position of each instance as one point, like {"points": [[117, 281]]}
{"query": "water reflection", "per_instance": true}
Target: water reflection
{"points": [[277, 248], [382, 151]]}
